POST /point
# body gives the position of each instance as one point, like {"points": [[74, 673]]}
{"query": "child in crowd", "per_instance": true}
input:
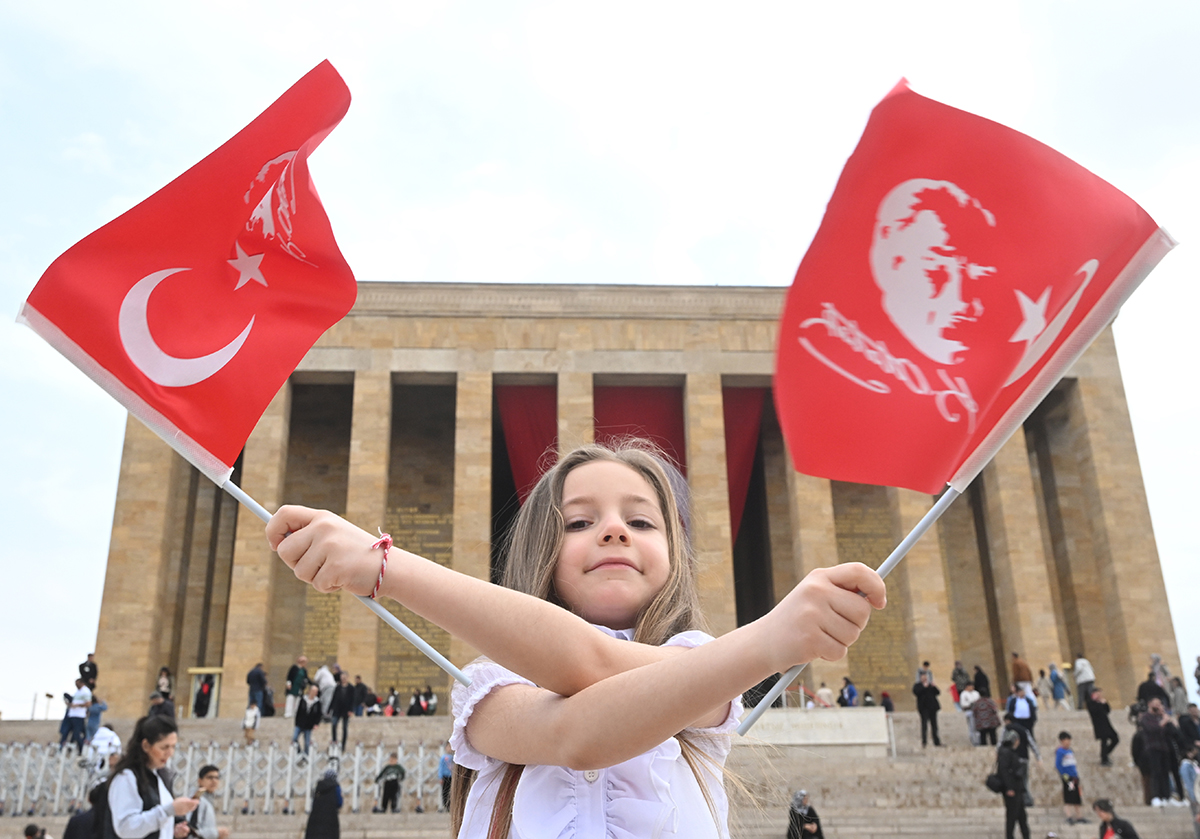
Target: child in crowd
{"points": [[203, 820], [1189, 773], [599, 702], [445, 775], [390, 776], [1068, 771], [250, 722]]}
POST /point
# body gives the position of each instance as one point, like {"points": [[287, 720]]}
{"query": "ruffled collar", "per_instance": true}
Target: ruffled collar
{"points": [[619, 634]]}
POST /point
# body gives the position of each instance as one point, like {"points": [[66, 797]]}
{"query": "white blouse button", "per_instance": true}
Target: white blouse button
{"points": [[591, 775]]}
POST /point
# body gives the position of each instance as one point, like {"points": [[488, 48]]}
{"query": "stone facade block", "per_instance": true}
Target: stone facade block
{"points": [[928, 595], [576, 411], [366, 506], [1050, 549], [1027, 614], [472, 485], [127, 643], [420, 517], [704, 423], [255, 566], [885, 655]]}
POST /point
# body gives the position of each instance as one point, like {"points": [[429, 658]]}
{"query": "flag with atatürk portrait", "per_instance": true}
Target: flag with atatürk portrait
{"points": [[959, 271], [194, 307]]}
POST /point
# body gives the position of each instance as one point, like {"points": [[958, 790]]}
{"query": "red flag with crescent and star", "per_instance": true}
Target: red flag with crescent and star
{"points": [[194, 307], [960, 270]]}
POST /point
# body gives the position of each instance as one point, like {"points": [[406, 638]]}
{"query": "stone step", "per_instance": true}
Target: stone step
{"points": [[353, 826], [978, 823], [847, 823], [948, 777]]}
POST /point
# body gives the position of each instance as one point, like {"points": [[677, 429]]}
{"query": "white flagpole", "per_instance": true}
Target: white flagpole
{"points": [[886, 568], [383, 614]]}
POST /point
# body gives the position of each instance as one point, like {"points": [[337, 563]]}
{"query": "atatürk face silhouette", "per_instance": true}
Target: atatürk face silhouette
{"points": [[925, 278]]}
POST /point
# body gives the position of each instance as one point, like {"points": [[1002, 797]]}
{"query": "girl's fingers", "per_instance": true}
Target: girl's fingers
{"points": [[842, 630], [308, 566], [854, 576], [852, 608], [293, 548], [290, 518]]}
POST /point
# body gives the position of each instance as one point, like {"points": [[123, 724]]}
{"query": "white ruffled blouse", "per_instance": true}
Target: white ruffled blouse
{"points": [[653, 795]]}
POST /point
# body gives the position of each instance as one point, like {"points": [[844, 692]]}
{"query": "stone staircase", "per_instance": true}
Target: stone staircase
{"points": [[920, 792], [950, 777]]}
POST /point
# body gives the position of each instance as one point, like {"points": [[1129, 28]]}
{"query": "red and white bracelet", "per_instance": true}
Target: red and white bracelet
{"points": [[385, 542]]}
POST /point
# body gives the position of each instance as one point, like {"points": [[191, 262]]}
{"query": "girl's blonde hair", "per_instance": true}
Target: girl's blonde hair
{"points": [[532, 555]]}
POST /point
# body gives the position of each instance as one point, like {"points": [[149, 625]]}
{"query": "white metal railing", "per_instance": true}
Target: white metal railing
{"points": [[44, 780]]}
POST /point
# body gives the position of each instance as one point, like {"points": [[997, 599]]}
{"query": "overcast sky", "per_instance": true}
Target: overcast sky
{"points": [[672, 143]]}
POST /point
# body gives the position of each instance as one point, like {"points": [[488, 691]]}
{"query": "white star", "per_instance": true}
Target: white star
{"points": [[1034, 314], [247, 267]]}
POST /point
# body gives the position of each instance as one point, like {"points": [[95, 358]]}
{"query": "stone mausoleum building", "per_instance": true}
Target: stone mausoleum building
{"points": [[430, 407]]}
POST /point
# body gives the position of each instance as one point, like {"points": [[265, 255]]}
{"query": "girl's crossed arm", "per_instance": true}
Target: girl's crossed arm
{"points": [[594, 710], [630, 712], [539, 640]]}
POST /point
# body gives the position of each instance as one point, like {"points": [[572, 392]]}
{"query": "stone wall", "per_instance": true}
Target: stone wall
{"points": [[883, 658], [420, 516], [389, 421], [304, 620]]}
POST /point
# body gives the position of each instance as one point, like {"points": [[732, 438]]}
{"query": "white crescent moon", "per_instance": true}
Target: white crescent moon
{"points": [[1037, 348], [148, 356]]}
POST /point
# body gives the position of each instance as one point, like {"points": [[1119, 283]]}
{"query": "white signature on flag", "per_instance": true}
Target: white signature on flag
{"points": [[903, 370]]}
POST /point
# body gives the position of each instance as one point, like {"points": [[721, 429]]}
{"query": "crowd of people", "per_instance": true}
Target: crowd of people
{"points": [[136, 791], [82, 725], [1165, 745], [327, 696], [132, 786]]}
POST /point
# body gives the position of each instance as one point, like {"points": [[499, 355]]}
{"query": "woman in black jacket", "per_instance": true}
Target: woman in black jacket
{"points": [[1011, 769], [308, 717]]}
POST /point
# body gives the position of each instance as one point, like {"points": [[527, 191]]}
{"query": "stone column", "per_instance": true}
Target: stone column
{"points": [[1134, 606], [1023, 592], [928, 601], [576, 411], [248, 625], [814, 545], [366, 506], [704, 424], [472, 485], [145, 526]]}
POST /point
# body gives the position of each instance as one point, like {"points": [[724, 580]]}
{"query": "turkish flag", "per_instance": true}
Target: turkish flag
{"points": [[960, 269], [194, 307]]}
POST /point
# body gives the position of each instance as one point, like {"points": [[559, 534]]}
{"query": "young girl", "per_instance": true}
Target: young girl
{"points": [[599, 706]]}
